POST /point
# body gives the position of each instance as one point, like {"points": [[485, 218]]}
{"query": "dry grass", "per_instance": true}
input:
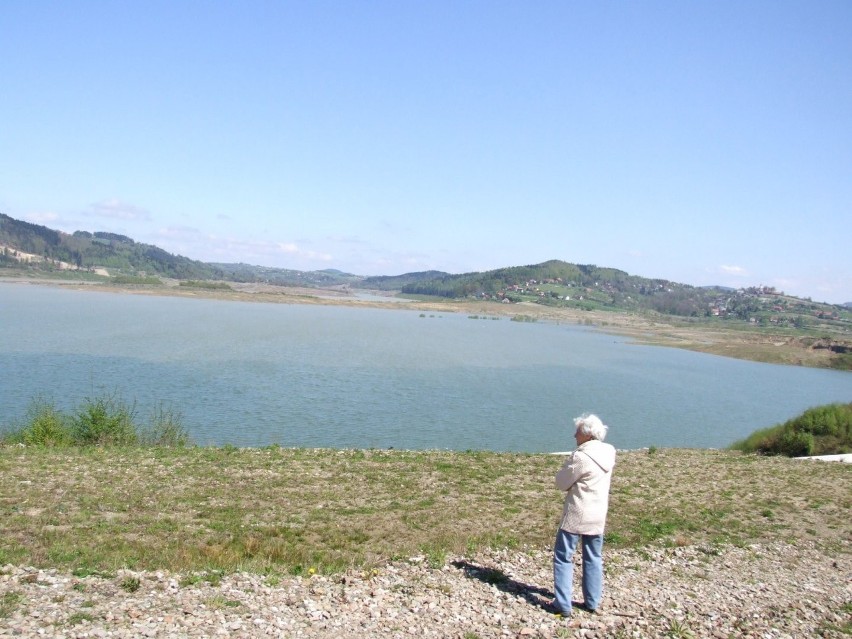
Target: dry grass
{"points": [[298, 510]]}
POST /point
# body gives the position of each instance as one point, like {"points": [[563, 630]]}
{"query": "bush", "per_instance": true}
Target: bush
{"points": [[104, 421], [210, 286], [166, 429], [794, 443], [136, 280], [44, 426], [48, 427], [757, 440], [823, 430]]}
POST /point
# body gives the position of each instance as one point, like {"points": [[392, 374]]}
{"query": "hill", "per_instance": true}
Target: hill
{"points": [[285, 277], [588, 287], [554, 284], [41, 248]]}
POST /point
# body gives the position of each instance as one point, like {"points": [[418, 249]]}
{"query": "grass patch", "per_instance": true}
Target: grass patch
{"points": [[9, 603], [206, 285], [203, 512], [101, 421], [79, 617], [130, 584], [136, 280]]}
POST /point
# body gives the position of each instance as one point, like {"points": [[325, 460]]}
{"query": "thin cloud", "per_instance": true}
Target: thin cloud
{"points": [[821, 287], [190, 241], [738, 271], [181, 233], [42, 218], [117, 210], [347, 239], [291, 248]]}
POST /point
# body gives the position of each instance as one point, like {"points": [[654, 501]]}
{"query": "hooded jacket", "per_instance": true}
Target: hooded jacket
{"points": [[585, 477]]}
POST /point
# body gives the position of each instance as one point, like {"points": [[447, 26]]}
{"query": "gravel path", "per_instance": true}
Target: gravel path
{"points": [[768, 591]]}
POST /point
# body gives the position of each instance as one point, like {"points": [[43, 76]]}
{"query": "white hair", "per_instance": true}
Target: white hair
{"points": [[591, 425]]}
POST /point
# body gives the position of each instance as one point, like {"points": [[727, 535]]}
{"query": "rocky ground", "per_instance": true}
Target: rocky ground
{"points": [[770, 591]]}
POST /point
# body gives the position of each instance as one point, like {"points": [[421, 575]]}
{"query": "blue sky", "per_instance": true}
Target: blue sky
{"points": [[702, 142]]}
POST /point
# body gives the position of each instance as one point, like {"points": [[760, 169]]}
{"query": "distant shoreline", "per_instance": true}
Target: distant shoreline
{"points": [[759, 345]]}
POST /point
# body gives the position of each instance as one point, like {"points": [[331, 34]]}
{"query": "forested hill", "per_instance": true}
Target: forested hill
{"points": [[552, 283], [41, 248], [399, 282], [589, 287], [559, 283], [84, 250]]}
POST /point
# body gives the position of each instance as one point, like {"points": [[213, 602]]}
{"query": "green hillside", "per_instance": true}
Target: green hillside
{"points": [[561, 284], [554, 283], [285, 277], [87, 251]]}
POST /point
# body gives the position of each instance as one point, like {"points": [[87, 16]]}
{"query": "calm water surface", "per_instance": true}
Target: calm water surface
{"points": [[253, 374]]}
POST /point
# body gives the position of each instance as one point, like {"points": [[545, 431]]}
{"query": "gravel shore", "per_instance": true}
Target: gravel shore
{"points": [[766, 590]]}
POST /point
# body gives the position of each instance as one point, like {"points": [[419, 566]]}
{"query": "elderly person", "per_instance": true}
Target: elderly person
{"points": [[585, 478]]}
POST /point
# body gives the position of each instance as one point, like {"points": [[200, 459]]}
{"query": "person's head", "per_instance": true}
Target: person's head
{"points": [[589, 427]]}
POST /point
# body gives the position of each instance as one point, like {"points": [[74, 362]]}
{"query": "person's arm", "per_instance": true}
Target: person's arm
{"points": [[568, 474]]}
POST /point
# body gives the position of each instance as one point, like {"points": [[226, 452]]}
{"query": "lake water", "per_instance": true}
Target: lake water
{"points": [[253, 374]]}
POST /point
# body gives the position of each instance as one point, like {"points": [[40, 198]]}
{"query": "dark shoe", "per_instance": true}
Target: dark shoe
{"points": [[550, 606]]}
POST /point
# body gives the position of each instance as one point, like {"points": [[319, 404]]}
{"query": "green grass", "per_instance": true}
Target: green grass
{"points": [[205, 284], [101, 421], [9, 603], [274, 511], [822, 430], [136, 280], [79, 617]]}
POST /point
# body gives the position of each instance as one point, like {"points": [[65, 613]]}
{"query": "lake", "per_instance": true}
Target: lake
{"points": [[255, 374]]}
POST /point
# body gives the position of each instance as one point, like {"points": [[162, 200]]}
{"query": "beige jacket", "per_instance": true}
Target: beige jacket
{"points": [[585, 478]]}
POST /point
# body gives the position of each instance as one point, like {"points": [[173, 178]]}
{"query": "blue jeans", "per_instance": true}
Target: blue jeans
{"points": [[563, 569]]}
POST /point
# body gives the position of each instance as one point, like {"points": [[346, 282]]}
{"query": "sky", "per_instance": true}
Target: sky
{"points": [[708, 143]]}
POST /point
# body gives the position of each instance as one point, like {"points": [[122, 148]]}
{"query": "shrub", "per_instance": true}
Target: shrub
{"points": [[43, 426], [166, 429], [212, 286], [823, 430], [136, 280], [105, 420], [46, 427], [758, 440], [793, 443]]}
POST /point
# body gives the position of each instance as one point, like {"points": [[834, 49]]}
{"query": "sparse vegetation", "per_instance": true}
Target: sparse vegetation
{"points": [[99, 421], [79, 617], [136, 280], [130, 584], [9, 602], [213, 286], [206, 511], [104, 421]]}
